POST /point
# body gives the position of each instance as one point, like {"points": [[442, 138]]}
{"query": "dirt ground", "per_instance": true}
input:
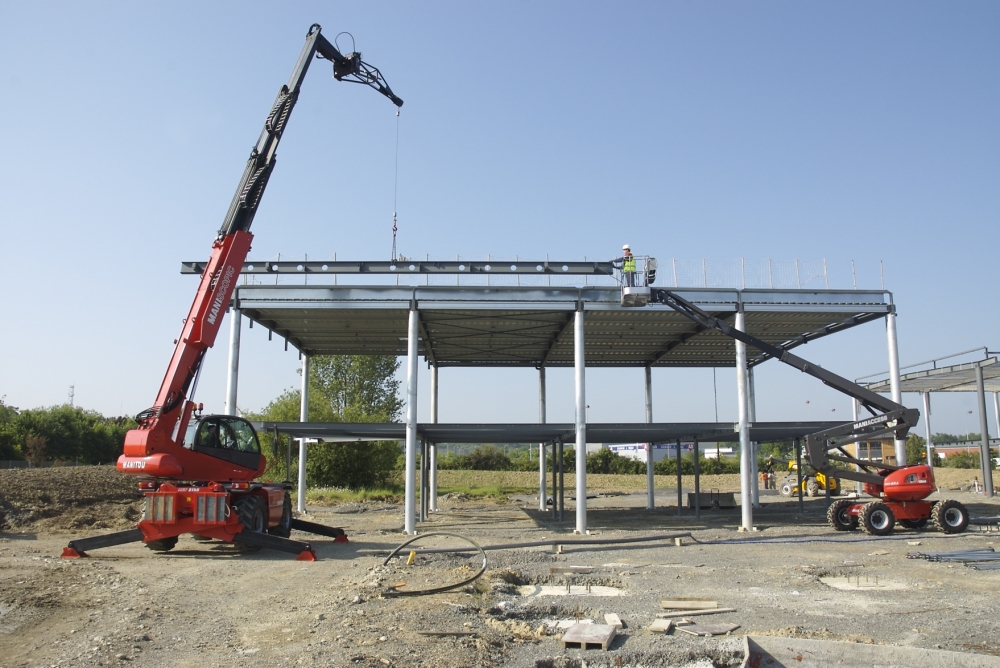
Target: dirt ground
{"points": [[204, 604]]}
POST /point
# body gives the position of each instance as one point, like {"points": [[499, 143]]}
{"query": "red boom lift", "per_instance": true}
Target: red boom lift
{"points": [[198, 472]]}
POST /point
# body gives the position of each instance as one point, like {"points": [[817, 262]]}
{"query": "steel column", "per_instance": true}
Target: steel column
{"points": [[433, 446], [996, 410], [410, 493], [541, 446], [680, 481], [235, 325], [753, 445], [798, 472], [742, 398], [926, 396], [697, 481], [579, 375], [650, 491], [985, 462], [897, 395], [303, 417]]}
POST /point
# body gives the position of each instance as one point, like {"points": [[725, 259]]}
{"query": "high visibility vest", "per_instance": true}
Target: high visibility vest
{"points": [[629, 264]]}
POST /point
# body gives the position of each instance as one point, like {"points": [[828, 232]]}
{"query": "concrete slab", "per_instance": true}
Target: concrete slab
{"points": [[777, 652]]}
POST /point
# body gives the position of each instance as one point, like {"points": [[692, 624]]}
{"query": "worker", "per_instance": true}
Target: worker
{"points": [[628, 266]]}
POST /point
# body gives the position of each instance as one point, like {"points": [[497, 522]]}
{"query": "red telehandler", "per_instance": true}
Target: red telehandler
{"points": [[198, 473]]}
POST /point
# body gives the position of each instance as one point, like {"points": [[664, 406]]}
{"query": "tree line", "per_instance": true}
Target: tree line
{"points": [[61, 434]]}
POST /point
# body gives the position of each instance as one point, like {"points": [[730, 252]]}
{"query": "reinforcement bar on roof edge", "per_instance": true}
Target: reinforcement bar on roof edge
{"points": [[403, 267]]}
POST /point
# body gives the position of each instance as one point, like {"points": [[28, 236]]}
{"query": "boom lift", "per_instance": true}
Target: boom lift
{"points": [[900, 491], [198, 472]]}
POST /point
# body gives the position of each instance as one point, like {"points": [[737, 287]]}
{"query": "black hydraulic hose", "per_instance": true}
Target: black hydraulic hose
{"points": [[552, 543], [811, 539], [437, 590]]}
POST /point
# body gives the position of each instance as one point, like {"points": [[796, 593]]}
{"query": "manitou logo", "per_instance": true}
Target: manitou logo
{"points": [[133, 465], [220, 295]]}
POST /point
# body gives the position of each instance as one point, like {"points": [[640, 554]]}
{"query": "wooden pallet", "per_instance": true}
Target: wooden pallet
{"points": [[588, 636]]}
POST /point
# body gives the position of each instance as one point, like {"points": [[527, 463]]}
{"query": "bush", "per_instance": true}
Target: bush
{"points": [[965, 460]]}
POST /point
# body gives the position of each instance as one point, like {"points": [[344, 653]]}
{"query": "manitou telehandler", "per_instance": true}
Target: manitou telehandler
{"points": [[199, 472], [900, 491]]}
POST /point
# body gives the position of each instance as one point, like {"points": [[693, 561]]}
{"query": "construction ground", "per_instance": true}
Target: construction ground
{"points": [[205, 604]]}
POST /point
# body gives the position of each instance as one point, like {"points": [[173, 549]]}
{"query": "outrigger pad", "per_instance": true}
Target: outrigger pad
{"points": [[338, 535], [277, 543], [78, 548]]}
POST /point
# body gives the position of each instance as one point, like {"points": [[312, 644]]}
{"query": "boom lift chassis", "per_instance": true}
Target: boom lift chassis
{"points": [[901, 491], [199, 473]]}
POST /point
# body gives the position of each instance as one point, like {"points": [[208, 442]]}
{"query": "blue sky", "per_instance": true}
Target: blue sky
{"points": [[845, 131]]}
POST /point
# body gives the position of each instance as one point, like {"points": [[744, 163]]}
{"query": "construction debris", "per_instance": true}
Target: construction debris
{"points": [[692, 613], [611, 619], [708, 629], [588, 636], [661, 625], [687, 604]]}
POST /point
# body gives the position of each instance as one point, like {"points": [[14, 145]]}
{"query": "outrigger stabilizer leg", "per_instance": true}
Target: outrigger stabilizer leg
{"points": [[303, 551]]}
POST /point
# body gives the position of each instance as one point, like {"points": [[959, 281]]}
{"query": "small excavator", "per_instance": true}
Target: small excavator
{"points": [[900, 492], [199, 473]]}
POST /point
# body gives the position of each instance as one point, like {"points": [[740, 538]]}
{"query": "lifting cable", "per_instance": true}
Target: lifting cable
{"points": [[436, 590], [395, 189]]}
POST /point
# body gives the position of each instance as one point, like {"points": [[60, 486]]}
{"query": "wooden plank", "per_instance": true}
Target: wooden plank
{"points": [[661, 625], [692, 613], [588, 636], [570, 570], [687, 603], [709, 629], [446, 633], [611, 619]]}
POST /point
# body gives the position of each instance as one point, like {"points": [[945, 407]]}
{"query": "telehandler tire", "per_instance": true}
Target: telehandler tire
{"points": [[950, 516], [877, 518], [253, 516], [812, 487], [284, 528], [162, 545], [913, 524], [838, 517], [787, 489]]}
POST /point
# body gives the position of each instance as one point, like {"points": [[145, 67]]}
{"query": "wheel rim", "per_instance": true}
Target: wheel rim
{"points": [[843, 517], [879, 519], [953, 517]]}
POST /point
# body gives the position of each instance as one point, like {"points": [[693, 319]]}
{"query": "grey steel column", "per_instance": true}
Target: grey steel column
{"points": [[541, 446], [433, 446], [996, 410], [897, 395], [697, 481], [303, 417], [798, 471], [755, 472], [410, 492], [746, 495], [650, 492], [927, 429], [680, 480], [235, 325], [984, 446], [579, 375]]}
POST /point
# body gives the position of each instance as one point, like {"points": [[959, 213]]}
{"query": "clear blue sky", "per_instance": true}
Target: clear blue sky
{"points": [[846, 131]]}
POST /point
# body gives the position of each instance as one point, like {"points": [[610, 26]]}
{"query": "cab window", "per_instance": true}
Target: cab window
{"points": [[213, 434], [246, 439]]}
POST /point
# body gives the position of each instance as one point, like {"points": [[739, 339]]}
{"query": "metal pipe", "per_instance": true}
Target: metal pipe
{"points": [[579, 369], [697, 482], [742, 399], [410, 492], [985, 458], [680, 489], [235, 325], [798, 471], [926, 396], [650, 488], [562, 485], [755, 470], [541, 446], [303, 417], [433, 493], [897, 395], [555, 542]]}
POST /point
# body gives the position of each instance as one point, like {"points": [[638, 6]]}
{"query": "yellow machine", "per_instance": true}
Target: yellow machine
{"points": [[813, 482]]}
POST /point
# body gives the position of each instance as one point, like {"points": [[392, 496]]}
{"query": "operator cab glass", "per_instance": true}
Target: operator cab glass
{"points": [[230, 438]]}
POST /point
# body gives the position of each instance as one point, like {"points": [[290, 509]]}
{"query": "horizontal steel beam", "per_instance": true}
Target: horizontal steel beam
{"points": [[415, 267]]}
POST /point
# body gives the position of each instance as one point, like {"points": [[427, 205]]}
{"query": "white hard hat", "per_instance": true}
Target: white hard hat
{"points": [[626, 247]]}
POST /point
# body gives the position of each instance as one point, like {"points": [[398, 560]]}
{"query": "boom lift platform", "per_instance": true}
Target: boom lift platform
{"points": [[901, 491], [199, 473]]}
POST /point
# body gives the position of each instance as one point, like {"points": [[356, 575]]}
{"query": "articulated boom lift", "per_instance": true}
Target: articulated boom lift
{"points": [[901, 491], [198, 472]]}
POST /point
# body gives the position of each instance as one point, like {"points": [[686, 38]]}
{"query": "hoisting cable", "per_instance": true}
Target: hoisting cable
{"points": [[395, 188], [436, 590]]}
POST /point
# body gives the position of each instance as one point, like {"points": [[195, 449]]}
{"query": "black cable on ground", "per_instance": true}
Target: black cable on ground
{"points": [[570, 542], [437, 590], [819, 539]]}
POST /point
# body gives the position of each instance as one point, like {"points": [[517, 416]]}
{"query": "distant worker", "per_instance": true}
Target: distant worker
{"points": [[628, 267]]}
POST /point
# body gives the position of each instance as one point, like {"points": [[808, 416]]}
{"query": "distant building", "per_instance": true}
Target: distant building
{"points": [[638, 451]]}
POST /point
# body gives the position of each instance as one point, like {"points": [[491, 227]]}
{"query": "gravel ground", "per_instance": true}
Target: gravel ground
{"points": [[205, 604]]}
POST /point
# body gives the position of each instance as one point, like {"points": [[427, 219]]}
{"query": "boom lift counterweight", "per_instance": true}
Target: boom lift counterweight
{"points": [[198, 472]]}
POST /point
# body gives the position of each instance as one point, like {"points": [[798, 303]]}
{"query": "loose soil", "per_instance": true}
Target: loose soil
{"points": [[206, 604]]}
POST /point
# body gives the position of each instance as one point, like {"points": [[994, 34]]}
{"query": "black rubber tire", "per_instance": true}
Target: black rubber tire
{"points": [[253, 517], [812, 487], [787, 489], [950, 516], [838, 518], [836, 487], [877, 518], [162, 545], [913, 524], [284, 528]]}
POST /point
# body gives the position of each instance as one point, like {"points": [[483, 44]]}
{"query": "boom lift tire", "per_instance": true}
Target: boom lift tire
{"points": [[284, 528], [877, 518], [839, 518], [913, 524], [253, 516], [950, 516], [162, 545]]}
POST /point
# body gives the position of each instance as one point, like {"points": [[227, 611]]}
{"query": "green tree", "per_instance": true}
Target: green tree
{"points": [[916, 449], [342, 388], [10, 436], [73, 434]]}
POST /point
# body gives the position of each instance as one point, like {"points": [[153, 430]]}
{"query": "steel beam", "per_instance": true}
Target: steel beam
{"points": [[755, 473], [433, 446], [541, 446], [406, 267], [984, 447], [926, 396], [650, 487], [896, 392], [303, 417]]}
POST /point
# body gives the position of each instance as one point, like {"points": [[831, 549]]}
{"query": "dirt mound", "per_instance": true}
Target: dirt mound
{"points": [[67, 498]]}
